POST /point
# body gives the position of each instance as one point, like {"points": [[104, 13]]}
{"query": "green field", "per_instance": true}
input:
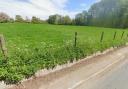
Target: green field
{"points": [[32, 47]]}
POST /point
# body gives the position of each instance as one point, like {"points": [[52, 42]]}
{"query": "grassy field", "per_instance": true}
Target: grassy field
{"points": [[32, 47]]}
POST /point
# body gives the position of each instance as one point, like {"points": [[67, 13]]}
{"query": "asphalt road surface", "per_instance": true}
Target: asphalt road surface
{"points": [[116, 78]]}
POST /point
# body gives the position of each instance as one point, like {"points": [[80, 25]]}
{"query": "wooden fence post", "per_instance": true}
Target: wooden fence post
{"points": [[3, 47], [114, 36], [102, 37], [75, 44]]}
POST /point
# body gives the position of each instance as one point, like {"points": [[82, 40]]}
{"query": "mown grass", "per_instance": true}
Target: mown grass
{"points": [[32, 47]]}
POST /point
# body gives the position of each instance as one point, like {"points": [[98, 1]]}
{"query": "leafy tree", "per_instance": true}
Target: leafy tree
{"points": [[4, 17], [35, 20], [55, 19], [66, 20], [81, 18], [109, 13], [19, 18], [11, 20], [73, 22]]}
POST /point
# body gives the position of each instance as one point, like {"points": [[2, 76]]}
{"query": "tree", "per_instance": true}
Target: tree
{"points": [[35, 20], [109, 13], [19, 18], [51, 19], [4, 17], [125, 21], [73, 22], [55, 19], [81, 18], [11, 20], [60, 20], [66, 20]]}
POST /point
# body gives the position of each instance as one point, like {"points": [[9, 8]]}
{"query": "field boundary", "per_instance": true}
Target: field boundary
{"points": [[67, 67]]}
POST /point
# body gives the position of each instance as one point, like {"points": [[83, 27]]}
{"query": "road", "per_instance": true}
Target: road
{"points": [[107, 71], [116, 78]]}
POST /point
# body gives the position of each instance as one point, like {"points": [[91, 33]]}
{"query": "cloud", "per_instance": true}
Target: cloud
{"points": [[83, 5], [97, 0], [40, 8]]}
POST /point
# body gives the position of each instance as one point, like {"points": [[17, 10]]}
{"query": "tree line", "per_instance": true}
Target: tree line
{"points": [[80, 19], [4, 18], [109, 13], [106, 13]]}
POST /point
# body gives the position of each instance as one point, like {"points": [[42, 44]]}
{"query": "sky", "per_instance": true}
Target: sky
{"points": [[44, 8]]}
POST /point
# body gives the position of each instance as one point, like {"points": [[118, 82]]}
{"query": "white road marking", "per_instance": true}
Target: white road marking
{"points": [[97, 73]]}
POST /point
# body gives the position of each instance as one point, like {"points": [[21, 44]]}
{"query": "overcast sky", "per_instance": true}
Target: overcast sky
{"points": [[44, 8]]}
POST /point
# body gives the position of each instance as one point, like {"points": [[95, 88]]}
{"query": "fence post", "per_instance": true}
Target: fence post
{"points": [[102, 37], [122, 35], [75, 44], [3, 47], [114, 36]]}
